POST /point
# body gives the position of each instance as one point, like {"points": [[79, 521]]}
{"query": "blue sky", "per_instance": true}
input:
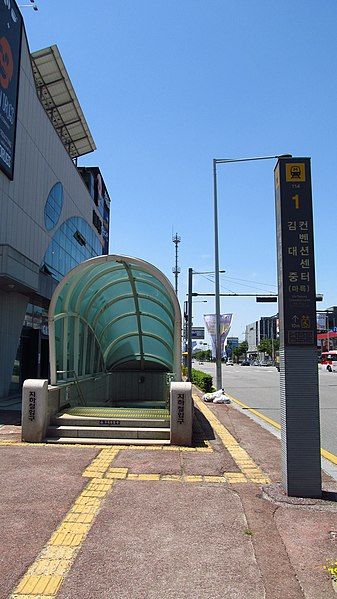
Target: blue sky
{"points": [[168, 85]]}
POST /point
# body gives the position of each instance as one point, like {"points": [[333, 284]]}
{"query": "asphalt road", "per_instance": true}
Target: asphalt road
{"points": [[259, 388]]}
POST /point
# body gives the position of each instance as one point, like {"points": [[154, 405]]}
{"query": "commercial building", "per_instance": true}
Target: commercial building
{"points": [[53, 214], [327, 329], [265, 328]]}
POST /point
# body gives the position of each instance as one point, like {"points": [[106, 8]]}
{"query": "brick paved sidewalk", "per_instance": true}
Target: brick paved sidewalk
{"points": [[146, 523]]}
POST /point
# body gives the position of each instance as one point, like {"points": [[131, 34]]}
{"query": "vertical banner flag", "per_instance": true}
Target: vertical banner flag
{"points": [[10, 50], [225, 325]]}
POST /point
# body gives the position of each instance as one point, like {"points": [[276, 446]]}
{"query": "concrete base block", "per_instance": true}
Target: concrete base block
{"points": [[181, 408], [35, 414]]}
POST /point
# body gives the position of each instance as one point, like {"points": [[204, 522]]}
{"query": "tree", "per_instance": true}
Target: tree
{"points": [[241, 350], [203, 355], [269, 346]]}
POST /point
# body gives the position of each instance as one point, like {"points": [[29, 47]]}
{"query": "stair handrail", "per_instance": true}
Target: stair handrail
{"points": [[82, 401]]}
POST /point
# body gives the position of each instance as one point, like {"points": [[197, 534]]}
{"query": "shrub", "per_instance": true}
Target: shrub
{"points": [[202, 380]]}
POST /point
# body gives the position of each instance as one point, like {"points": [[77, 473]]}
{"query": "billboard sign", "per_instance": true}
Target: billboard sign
{"points": [[295, 252], [225, 325], [322, 321], [10, 51], [198, 332], [232, 343]]}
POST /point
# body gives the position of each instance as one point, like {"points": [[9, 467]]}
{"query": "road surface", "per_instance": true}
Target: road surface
{"points": [[259, 388]]}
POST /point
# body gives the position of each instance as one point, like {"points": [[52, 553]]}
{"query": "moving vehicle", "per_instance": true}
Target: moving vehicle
{"points": [[329, 360]]}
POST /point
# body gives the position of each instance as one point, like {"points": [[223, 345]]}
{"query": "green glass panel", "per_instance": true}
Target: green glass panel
{"points": [[155, 348], [156, 309], [127, 349], [151, 325]]}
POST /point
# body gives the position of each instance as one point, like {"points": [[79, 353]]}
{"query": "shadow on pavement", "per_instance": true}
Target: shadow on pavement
{"points": [[10, 417], [202, 429]]}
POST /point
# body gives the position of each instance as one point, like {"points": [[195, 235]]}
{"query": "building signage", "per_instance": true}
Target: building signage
{"points": [[10, 51], [295, 252], [198, 332]]}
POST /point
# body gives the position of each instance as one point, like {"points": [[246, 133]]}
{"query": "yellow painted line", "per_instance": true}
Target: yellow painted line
{"points": [[326, 454], [243, 460], [262, 416], [329, 456]]}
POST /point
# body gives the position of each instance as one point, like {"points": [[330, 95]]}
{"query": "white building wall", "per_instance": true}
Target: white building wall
{"points": [[251, 330], [40, 161]]}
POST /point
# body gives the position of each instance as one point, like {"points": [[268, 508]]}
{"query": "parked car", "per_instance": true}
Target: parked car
{"points": [[245, 363], [229, 363]]}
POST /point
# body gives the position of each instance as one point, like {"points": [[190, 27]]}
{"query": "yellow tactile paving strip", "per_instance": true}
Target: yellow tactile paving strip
{"points": [[44, 577], [206, 448], [239, 455], [147, 413]]}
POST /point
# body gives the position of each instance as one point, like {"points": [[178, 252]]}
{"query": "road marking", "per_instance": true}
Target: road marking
{"points": [[324, 453]]}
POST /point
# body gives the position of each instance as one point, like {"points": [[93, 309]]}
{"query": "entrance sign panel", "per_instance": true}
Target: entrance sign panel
{"points": [[300, 428], [297, 296]]}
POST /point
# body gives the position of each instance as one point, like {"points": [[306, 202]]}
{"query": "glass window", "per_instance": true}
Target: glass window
{"points": [[53, 207]]}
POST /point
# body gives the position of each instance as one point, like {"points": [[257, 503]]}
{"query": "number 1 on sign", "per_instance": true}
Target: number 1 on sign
{"points": [[296, 200]]}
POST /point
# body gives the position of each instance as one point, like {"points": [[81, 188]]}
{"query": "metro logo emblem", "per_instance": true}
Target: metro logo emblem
{"points": [[295, 172]]}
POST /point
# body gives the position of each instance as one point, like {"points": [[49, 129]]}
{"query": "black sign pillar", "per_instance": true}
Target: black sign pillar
{"points": [[300, 435]]}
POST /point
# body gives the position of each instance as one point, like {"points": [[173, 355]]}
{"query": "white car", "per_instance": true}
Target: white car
{"points": [[229, 363]]}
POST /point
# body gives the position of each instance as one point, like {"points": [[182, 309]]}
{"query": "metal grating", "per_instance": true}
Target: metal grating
{"points": [[60, 102]]}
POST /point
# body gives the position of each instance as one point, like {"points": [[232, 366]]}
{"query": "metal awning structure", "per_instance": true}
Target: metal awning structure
{"points": [[60, 102], [114, 312]]}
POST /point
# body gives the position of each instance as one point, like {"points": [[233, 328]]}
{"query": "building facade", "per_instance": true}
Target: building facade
{"points": [[49, 219], [265, 328]]}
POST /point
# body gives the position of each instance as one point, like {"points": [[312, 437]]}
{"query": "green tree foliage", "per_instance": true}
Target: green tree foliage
{"points": [[203, 355], [241, 350], [266, 346]]}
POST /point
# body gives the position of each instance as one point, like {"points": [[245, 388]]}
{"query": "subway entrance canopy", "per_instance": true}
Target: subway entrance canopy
{"points": [[114, 313], [115, 360]]}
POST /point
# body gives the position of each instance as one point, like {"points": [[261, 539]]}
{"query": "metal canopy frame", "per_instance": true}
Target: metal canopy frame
{"points": [[60, 102]]}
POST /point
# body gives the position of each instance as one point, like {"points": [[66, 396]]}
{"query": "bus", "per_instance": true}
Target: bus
{"points": [[329, 360]]}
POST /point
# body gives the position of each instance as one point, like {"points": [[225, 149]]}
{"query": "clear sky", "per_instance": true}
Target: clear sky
{"points": [[168, 85]]}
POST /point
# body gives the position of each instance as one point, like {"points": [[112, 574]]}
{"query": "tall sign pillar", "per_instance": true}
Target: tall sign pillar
{"points": [[300, 435]]}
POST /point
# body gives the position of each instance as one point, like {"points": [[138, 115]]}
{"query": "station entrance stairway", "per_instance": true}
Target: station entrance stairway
{"points": [[145, 424]]}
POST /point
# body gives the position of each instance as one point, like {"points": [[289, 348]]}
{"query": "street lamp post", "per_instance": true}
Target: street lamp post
{"points": [[190, 294], [216, 253]]}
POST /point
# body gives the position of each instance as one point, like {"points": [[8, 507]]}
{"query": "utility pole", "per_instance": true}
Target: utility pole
{"points": [[176, 269]]}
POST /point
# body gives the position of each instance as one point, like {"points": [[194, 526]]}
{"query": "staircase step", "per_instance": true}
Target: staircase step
{"points": [[70, 420], [109, 432], [94, 441]]}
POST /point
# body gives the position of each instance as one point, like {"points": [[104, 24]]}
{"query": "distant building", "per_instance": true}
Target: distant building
{"points": [[265, 328], [327, 329]]}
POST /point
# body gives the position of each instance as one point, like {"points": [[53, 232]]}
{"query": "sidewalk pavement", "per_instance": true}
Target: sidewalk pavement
{"points": [[208, 522]]}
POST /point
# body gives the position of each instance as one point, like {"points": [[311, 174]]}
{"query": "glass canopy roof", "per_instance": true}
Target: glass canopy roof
{"points": [[114, 312]]}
